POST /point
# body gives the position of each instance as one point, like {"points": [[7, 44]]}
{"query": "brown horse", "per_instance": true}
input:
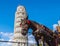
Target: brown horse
{"points": [[38, 31]]}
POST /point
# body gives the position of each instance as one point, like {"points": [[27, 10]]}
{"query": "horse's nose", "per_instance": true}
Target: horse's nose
{"points": [[23, 33]]}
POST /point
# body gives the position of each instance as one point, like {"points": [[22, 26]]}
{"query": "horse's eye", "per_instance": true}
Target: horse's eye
{"points": [[24, 29]]}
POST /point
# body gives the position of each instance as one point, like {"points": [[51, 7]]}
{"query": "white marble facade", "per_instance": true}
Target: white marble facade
{"points": [[18, 37]]}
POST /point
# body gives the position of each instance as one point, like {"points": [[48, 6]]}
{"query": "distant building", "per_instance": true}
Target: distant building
{"points": [[58, 27], [57, 31]]}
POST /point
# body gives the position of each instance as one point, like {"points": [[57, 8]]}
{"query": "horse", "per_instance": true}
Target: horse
{"points": [[39, 30]]}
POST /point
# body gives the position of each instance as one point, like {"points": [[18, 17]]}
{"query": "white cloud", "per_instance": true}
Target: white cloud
{"points": [[2, 39], [31, 39], [6, 37], [54, 27], [59, 22], [9, 37], [1, 32]]}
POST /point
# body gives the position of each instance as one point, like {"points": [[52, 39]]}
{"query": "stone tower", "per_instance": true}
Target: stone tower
{"points": [[18, 37]]}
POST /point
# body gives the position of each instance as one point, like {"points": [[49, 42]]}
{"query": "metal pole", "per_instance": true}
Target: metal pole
{"points": [[27, 40], [18, 43]]}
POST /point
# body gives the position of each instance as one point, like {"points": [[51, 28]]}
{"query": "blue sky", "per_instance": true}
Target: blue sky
{"points": [[46, 12]]}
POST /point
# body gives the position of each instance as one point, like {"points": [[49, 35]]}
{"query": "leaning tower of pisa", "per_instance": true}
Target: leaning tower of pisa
{"points": [[18, 37]]}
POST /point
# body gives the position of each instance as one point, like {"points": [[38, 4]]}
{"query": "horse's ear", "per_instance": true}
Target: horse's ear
{"points": [[20, 24], [29, 22]]}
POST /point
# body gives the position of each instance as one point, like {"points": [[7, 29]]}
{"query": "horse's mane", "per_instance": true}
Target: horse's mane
{"points": [[39, 24], [35, 22], [46, 28]]}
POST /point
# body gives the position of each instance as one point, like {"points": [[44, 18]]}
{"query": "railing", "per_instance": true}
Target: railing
{"points": [[12, 43]]}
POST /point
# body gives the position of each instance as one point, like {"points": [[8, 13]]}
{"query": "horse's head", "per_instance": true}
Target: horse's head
{"points": [[24, 31], [25, 26]]}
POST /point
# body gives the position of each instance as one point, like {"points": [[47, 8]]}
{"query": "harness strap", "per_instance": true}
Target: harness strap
{"points": [[28, 21]]}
